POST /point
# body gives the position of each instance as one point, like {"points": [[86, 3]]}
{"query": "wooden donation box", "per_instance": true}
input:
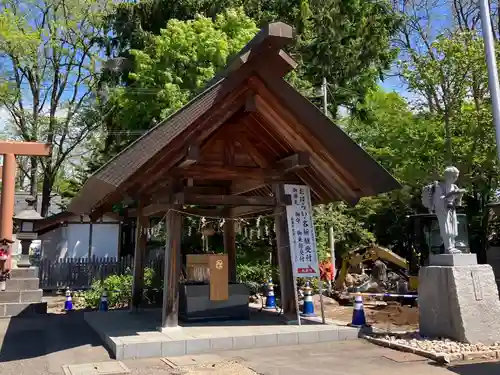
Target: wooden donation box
{"points": [[207, 293]]}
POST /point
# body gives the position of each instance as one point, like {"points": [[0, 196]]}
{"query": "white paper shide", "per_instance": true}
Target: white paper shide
{"points": [[301, 232]]}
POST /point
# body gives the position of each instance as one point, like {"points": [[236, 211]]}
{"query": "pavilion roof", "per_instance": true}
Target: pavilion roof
{"points": [[251, 106]]}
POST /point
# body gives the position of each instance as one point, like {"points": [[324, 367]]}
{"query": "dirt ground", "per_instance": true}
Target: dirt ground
{"points": [[389, 317]]}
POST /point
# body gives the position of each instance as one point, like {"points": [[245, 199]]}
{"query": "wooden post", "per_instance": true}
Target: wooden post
{"points": [[8, 192], [230, 248], [172, 273], [139, 257], [287, 281]]}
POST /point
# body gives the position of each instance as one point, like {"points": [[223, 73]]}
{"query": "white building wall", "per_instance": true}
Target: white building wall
{"points": [[72, 240], [105, 240], [78, 240]]}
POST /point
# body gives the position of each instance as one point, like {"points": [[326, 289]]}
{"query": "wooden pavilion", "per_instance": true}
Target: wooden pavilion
{"points": [[233, 147]]}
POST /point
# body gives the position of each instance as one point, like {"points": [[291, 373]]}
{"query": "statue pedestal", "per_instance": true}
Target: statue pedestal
{"points": [[453, 260], [459, 302]]}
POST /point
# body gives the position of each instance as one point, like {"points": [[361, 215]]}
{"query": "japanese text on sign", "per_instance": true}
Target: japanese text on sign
{"points": [[301, 232]]}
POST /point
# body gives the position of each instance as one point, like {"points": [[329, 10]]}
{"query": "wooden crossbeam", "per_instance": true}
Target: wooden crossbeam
{"points": [[25, 148], [289, 164], [294, 162], [224, 200], [192, 156], [248, 211], [199, 171], [162, 208]]}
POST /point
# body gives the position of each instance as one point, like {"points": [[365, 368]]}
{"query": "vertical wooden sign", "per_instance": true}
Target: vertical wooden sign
{"points": [[219, 277]]}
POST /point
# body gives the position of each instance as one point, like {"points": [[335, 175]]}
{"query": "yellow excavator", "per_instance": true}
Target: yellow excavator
{"points": [[357, 257], [422, 239]]}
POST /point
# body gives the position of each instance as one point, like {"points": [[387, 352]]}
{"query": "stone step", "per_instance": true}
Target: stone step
{"points": [[24, 273], [23, 284], [8, 310], [24, 296]]}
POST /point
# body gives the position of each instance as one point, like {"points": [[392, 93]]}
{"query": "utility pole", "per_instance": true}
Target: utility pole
{"points": [[324, 91], [491, 62]]}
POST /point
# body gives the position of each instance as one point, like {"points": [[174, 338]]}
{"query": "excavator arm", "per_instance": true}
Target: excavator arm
{"points": [[370, 253]]}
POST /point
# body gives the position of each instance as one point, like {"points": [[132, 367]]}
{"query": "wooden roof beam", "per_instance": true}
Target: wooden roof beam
{"points": [[294, 162], [289, 164], [162, 208], [269, 41], [225, 200], [246, 211], [212, 172], [192, 156], [250, 105]]}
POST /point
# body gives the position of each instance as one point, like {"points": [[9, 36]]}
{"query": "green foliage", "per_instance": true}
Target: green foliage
{"points": [[50, 63], [119, 289], [171, 69], [410, 145], [348, 231], [254, 275]]}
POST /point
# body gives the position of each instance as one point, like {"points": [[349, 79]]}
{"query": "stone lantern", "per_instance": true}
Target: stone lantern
{"points": [[25, 221]]}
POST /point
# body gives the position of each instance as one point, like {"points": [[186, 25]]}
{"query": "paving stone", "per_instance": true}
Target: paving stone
{"points": [[308, 337], [266, 340], [189, 360], [347, 333], [149, 349], [288, 338], [243, 342], [23, 309], [221, 343], [24, 273], [173, 348], [130, 351], [197, 346], [22, 284], [328, 335], [102, 368]]}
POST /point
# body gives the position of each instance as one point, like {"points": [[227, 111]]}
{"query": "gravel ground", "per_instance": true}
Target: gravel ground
{"points": [[439, 346]]}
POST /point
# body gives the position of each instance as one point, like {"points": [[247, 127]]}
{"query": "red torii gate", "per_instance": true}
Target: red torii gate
{"points": [[9, 150]]}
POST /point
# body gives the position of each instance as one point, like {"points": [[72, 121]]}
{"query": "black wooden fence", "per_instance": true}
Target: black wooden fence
{"points": [[78, 273]]}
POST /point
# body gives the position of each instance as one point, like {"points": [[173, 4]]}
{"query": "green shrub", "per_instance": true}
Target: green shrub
{"points": [[119, 289], [253, 275]]}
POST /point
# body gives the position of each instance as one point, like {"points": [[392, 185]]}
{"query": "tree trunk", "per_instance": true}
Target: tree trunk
{"points": [[34, 180], [46, 190]]}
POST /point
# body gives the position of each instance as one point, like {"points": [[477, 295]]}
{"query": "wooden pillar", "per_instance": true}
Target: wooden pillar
{"points": [[230, 248], [8, 196], [139, 257], [287, 281], [172, 273]]}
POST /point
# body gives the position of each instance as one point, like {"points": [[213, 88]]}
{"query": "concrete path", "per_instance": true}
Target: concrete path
{"points": [[42, 345]]}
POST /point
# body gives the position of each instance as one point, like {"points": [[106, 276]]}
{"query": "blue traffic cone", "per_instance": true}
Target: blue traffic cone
{"points": [[68, 304], [358, 314], [270, 298], [308, 307], [103, 305]]}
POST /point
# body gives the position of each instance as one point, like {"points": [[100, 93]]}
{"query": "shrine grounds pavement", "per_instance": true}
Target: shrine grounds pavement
{"points": [[42, 345]]}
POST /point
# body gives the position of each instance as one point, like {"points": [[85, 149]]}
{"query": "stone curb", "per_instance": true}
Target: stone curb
{"points": [[442, 358]]}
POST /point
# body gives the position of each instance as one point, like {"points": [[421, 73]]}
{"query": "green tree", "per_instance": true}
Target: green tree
{"points": [[50, 58], [346, 41], [172, 69]]}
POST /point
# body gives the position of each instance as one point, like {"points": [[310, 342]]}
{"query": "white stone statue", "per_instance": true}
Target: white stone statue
{"points": [[442, 198]]}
